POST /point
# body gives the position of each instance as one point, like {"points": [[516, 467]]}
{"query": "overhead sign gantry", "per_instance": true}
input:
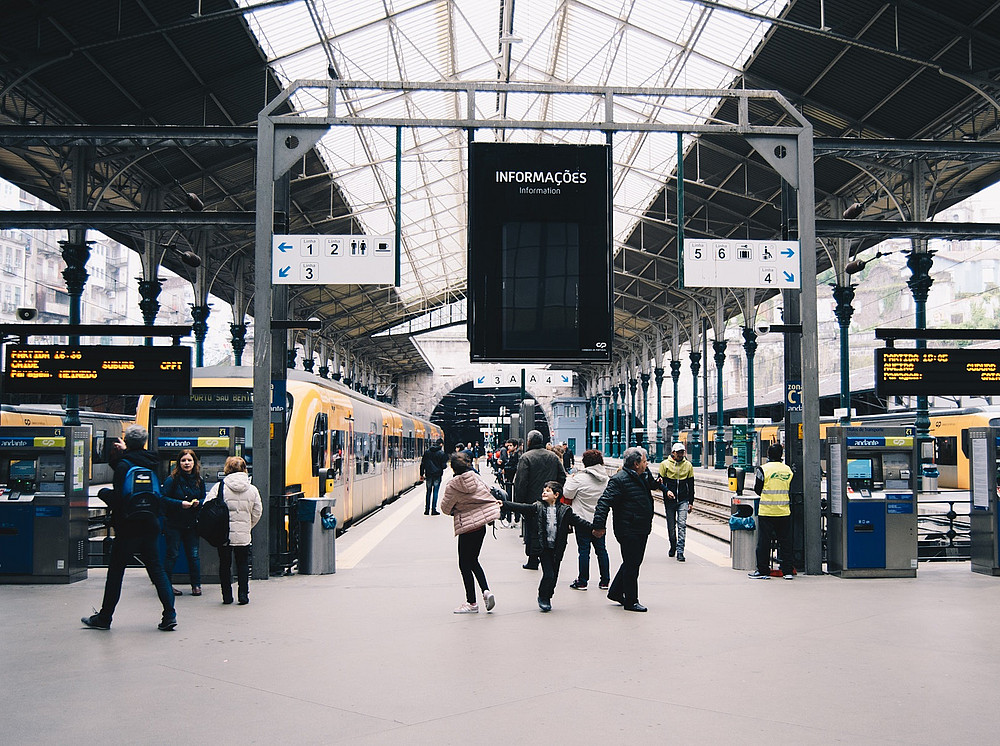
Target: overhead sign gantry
{"points": [[784, 142]]}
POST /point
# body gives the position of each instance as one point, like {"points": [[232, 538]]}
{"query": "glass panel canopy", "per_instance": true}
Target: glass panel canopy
{"points": [[667, 43]]}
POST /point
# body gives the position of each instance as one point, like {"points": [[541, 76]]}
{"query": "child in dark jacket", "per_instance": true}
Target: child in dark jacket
{"points": [[546, 527]]}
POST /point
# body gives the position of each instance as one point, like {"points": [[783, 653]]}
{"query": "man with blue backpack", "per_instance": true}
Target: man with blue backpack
{"points": [[134, 501]]}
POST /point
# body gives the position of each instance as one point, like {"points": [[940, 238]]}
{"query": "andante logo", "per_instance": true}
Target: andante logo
{"points": [[541, 177]]}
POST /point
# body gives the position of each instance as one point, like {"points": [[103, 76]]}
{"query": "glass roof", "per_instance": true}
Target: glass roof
{"points": [[662, 43]]}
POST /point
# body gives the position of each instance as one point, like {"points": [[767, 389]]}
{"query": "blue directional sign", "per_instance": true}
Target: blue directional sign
{"points": [[793, 396]]}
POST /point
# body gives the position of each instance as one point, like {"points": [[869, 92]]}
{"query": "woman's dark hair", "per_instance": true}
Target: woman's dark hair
{"points": [[592, 457], [459, 463], [556, 488], [196, 471]]}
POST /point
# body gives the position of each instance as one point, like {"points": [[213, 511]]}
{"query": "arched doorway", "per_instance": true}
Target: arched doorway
{"points": [[460, 410]]}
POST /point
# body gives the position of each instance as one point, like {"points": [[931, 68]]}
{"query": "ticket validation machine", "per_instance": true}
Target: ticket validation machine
{"points": [[984, 491], [213, 446], [44, 480], [872, 488]]}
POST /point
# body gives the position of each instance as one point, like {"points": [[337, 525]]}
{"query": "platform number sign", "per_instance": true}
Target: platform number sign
{"points": [[741, 264], [333, 260]]}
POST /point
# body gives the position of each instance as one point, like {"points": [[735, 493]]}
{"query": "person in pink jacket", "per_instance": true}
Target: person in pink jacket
{"points": [[468, 500]]}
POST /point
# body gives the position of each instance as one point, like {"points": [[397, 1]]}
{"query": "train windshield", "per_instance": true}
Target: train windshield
{"points": [[215, 407], [211, 407]]}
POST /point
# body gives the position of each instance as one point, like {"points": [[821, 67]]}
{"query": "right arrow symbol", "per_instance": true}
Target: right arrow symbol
{"points": [[789, 277]]}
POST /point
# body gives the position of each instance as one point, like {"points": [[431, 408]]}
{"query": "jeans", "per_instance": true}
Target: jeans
{"points": [[625, 586], [768, 528], [125, 545], [188, 537], [550, 573], [242, 555], [469, 546], [584, 540], [509, 515], [433, 484], [677, 516]]}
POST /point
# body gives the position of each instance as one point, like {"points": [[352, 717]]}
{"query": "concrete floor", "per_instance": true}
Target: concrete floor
{"points": [[373, 654]]}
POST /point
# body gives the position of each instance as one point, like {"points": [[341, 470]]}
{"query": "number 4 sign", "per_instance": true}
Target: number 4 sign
{"points": [[741, 264]]}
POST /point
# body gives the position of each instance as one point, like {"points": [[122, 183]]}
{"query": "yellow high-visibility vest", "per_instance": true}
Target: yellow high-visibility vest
{"points": [[774, 496]]}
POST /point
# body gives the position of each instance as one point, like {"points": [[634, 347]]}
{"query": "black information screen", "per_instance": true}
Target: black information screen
{"points": [[87, 369], [937, 372], [539, 253]]}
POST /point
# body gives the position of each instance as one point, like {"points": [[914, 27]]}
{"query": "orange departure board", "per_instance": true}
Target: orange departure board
{"points": [[936, 372], [87, 369]]}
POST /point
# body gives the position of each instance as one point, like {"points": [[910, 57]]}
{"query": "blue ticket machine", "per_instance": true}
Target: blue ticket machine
{"points": [[213, 445], [872, 489], [984, 495], [44, 480]]}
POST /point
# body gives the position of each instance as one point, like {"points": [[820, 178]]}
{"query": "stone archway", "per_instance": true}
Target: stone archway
{"points": [[458, 412], [420, 394]]}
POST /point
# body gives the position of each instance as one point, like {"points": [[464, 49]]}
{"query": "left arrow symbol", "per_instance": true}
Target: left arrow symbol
{"points": [[283, 272], [283, 247]]}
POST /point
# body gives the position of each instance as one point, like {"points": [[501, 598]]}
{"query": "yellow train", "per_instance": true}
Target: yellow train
{"points": [[339, 444]]}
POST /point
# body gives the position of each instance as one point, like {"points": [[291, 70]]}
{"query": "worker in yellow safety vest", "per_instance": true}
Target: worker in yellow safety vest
{"points": [[774, 516]]}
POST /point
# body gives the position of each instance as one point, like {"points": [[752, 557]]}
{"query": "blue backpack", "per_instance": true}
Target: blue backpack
{"points": [[140, 495]]}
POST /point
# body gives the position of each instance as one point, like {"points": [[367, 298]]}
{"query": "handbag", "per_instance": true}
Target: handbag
{"points": [[213, 519]]}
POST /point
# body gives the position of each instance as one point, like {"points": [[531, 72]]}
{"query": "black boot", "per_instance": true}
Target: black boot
{"points": [[227, 593]]}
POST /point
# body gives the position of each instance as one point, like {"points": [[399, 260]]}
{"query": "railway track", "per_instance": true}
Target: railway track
{"points": [[709, 517]]}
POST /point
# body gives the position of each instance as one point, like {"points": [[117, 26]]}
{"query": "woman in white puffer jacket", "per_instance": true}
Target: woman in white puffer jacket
{"points": [[245, 509], [468, 500]]}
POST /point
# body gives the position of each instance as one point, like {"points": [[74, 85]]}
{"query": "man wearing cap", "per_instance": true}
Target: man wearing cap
{"points": [[677, 478]]}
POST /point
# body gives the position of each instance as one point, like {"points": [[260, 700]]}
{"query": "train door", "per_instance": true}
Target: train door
{"points": [[349, 461], [386, 456]]}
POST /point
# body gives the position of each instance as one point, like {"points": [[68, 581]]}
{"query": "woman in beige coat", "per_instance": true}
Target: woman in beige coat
{"points": [[468, 500], [245, 508]]}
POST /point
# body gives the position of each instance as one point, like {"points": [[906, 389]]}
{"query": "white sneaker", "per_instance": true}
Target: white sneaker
{"points": [[489, 600], [467, 608]]}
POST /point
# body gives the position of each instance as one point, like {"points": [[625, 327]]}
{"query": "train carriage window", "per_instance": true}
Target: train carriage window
{"points": [[319, 442], [99, 450], [359, 454], [377, 448], [946, 450], [337, 440]]}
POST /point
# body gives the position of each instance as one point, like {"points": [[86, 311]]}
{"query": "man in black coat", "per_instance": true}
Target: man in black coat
{"points": [[432, 465], [132, 536], [535, 467], [629, 495]]}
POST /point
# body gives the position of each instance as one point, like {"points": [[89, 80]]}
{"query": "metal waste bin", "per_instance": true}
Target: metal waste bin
{"points": [[929, 474], [317, 535], [743, 541]]}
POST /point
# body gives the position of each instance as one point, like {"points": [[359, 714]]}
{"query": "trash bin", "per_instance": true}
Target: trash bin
{"points": [[929, 473], [737, 478], [317, 535], [743, 538]]}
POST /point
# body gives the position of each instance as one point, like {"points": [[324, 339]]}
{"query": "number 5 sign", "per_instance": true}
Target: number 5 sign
{"points": [[741, 264]]}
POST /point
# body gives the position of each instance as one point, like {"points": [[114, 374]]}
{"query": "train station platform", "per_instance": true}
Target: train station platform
{"points": [[374, 655]]}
